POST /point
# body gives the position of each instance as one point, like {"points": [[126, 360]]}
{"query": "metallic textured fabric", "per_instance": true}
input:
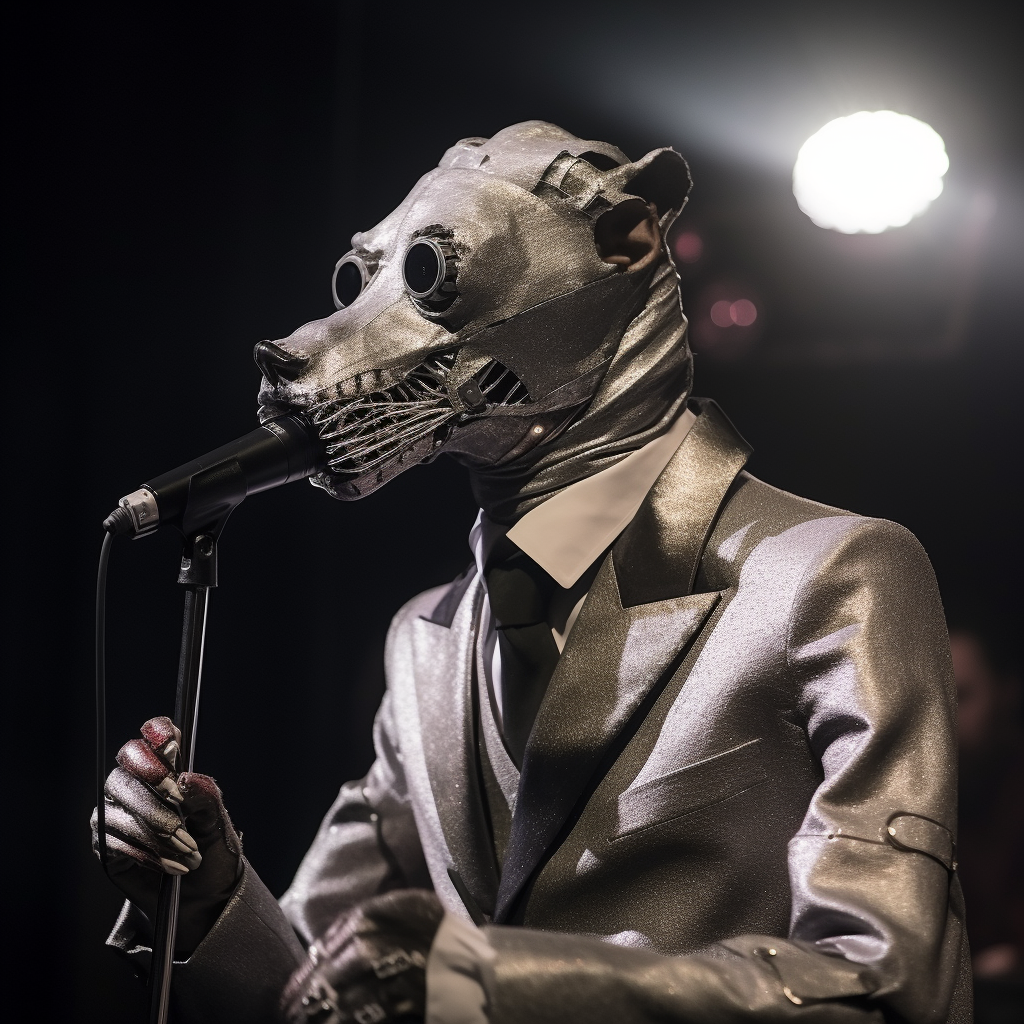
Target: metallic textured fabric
{"points": [[718, 770], [702, 826], [600, 348], [238, 972]]}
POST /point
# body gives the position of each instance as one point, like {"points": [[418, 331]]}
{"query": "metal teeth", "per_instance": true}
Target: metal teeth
{"points": [[380, 429], [497, 379], [365, 431]]}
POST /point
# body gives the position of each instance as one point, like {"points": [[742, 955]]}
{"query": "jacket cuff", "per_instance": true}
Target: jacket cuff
{"points": [[238, 972], [457, 969]]}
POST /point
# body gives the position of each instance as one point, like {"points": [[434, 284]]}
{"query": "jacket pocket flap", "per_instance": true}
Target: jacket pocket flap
{"points": [[691, 788]]}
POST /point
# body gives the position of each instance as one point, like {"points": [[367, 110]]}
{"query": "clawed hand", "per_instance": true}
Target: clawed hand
{"points": [[370, 967], [161, 821]]}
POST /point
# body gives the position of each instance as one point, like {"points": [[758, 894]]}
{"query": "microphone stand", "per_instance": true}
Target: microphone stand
{"points": [[198, 574], [197, 497]]}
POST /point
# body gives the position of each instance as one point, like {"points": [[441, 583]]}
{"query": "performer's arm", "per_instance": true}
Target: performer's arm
{"points": [[367, 844], [237, 945]]}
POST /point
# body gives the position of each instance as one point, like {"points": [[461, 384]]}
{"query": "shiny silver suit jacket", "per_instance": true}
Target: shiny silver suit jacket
{"points": [[738, 801]]}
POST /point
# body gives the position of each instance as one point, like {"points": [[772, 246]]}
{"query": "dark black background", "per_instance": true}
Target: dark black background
{"points": [[187, 178]]}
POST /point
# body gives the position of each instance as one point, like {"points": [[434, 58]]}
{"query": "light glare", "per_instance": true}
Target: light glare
{"points": [[869, 172]]}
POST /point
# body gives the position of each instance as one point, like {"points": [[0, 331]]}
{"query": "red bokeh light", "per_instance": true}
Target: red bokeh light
{"points": [[727, 319], [741, 313], [720, 313], [688, 247]]}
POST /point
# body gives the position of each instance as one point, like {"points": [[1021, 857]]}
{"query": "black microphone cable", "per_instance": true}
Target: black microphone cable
{"points": [[119, 521]]}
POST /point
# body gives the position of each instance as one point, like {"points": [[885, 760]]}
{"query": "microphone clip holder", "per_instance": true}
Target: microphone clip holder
{"points": [[199, 560]]}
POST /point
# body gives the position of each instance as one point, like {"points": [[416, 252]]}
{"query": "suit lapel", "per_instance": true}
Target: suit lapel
{"points": [[659, 553], [446, 698], [637, 623], [608, 671]]}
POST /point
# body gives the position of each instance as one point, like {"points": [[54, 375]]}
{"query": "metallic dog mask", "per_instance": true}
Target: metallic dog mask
{"points": [[505, 313]]}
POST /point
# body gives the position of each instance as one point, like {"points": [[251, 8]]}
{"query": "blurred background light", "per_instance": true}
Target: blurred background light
{"points": [[720, 313], [687, 247], [869, 172], [741, 313]]}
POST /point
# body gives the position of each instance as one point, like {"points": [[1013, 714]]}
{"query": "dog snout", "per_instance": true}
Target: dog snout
{"points": [[276, 364]]}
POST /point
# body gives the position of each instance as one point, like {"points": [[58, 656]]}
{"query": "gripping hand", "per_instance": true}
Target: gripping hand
{"points": [[370, 966], [159, 821]]}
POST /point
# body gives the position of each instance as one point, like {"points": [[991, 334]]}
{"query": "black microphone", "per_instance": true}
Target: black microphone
{"points": [[199, 496]]}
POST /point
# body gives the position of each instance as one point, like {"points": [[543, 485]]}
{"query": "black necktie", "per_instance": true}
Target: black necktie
{"points": [[520, 593]]}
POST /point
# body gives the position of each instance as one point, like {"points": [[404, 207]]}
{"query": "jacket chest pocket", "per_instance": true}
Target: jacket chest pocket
{"points": [[691, 788]]}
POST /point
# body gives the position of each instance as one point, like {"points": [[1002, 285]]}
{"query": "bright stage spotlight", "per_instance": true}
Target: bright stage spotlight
{"points": [[869, 172]]}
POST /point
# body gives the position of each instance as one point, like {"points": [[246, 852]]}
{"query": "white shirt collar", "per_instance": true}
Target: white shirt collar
{"points": [[566, 533]]}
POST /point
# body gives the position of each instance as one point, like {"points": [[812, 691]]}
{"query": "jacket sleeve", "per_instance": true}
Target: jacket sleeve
{"points": [[876, 929], [366, 845]]}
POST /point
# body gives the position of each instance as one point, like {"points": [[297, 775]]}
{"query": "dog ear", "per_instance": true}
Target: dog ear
{"points": [[662, 177], [628, 235]]}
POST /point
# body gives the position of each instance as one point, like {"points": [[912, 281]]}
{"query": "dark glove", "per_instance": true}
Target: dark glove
{"points": [[161, 822], [370, 966]]}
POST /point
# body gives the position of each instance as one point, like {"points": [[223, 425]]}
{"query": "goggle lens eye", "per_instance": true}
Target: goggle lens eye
{"points": [[350, 278], [423, 269]]}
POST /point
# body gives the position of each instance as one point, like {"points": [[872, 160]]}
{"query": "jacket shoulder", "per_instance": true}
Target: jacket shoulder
{"points": [[437, 605], [755, 512]]}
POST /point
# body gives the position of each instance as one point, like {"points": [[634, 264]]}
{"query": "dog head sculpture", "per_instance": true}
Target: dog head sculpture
{"points": [[518, 310]]}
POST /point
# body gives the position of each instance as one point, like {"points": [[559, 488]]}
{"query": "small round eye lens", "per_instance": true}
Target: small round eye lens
{"points": [[349, 283], [350, 278], [424, 269]]}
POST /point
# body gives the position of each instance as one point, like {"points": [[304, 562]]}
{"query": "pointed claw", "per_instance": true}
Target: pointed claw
{"points": [[179, 846], [186, 846], [170, 752], [185, 841], [172, 867], [170, 789]]}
